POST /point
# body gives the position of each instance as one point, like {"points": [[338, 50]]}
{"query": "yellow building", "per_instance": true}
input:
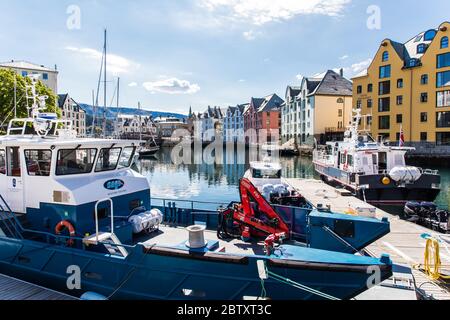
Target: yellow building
{"points": [[408, 86]]}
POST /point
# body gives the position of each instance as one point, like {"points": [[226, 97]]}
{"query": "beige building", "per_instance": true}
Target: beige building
{"points": [[71, 110], [320, 108], [48, 76]]}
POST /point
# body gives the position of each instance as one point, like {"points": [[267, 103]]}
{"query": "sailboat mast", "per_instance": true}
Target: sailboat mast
{"points": [[104, 88], [140, 122]]}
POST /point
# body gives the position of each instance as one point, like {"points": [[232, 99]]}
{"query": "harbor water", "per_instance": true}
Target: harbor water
{"points": [[219, 183]]}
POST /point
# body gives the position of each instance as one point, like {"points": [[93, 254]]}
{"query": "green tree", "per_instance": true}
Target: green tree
{"points": [[7, 96]]}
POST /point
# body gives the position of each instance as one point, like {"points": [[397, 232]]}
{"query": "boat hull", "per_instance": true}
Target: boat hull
{"points": [[370, 188], [171, 274]]}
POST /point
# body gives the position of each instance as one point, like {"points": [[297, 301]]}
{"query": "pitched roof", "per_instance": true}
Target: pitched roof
{"points": [[271, 103], [62, 99], [334, 84], [292, 92], [25, 65]]}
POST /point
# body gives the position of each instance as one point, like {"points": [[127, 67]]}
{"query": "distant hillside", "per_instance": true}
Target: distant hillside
{"points": [[111, 113]]}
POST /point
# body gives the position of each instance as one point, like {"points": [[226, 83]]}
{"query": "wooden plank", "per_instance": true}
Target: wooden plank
{"points": [[404, 243], [14, 289]]}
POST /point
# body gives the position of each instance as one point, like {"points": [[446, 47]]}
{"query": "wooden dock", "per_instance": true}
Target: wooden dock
{"points": [[14, 289], [404, 243]]}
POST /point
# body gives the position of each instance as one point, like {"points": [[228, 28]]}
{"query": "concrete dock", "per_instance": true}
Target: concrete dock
{"points": [[14, 289], [404, 243]]}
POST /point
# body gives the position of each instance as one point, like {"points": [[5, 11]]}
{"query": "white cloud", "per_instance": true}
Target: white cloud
{"points": [[172, 86], [259, 12], [242, 80], [344, 57], [360, 66], [251, 35], [299, 77], [133, 84], [115, 64]]}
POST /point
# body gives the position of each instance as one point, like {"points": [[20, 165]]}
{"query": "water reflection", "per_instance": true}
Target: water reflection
{"points": [[219, 182]]}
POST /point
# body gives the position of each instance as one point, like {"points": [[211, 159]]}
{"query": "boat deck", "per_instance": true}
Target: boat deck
{"points": [[404, 243], [14, 289], [173, 236]]}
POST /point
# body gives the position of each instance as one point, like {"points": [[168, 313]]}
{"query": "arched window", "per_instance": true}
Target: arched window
{"points": [[421, 48], [340, 100], [385, 56], [444, 42], [429, 35]]}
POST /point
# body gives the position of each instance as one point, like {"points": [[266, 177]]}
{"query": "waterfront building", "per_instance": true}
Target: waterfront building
{"points": [[233, 124], [407, 87], [166, 126], [71, 110], [263, 114], [320, 108], [129, 124], [211, 124], [48, 76]]}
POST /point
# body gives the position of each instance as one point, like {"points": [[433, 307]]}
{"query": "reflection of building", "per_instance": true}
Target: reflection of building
{"points": [[70, 110], [263, 114], [233, 124], [48, 76], [407, 87], [320, 108]]}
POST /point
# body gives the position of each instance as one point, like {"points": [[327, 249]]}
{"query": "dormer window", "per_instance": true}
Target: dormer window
{"points": [[421, 48], [385, 56], [444, 42]]}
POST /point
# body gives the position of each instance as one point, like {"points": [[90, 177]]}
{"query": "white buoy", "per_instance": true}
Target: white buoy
{"points": [[196, 237]]}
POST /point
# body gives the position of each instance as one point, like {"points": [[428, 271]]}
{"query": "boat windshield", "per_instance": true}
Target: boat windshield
{"points": [[266, 174], [126, 158], [75, 161], [108, 159]]}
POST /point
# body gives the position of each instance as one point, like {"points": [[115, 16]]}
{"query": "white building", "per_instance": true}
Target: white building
{"points": [[211, 122], [71, 110], [48, 76], [129, 124], [233, 124]]}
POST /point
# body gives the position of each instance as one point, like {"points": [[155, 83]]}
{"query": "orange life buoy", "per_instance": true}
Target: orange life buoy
{"points": [[63, 225]]}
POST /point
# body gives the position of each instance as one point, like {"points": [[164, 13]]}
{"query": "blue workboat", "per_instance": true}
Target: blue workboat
{"points": [[76, 218]]}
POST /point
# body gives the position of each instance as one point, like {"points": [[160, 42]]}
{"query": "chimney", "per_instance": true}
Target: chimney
{"points": [[341, 72]]}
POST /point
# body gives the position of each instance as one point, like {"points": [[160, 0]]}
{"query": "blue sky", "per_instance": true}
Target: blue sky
{"points": [[171, 54]]}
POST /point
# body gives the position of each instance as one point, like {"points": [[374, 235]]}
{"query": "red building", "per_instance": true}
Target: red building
{"points": [[263, 114]]}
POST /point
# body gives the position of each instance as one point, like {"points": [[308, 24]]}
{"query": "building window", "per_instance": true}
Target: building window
{"points": [[385, 56], [384, 104], [443, 119], [444, 42], [45, 76], [399, 118], [359, 89], [423, 136], [24, 73], [443, 138], [443, 79], [369, 103], [385, 72], [429, 35], [399, 100], [369, 120], [340, 113], [424, 97], [424, 117], [413, 62], [421, 48], [384, 88], [443, 60], [369, 87], [384, 122], [424, 79], [358, 104], [443, 99], [400, 83]]}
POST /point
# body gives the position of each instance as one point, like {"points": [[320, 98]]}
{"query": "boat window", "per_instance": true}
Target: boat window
{"points": [[38, 162], [343, 158], [75, 161], [108, 159], [268, 174], [2, 162], [126, 158], [13, 162], [350, 160], [382, 160], [399, 160]]}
